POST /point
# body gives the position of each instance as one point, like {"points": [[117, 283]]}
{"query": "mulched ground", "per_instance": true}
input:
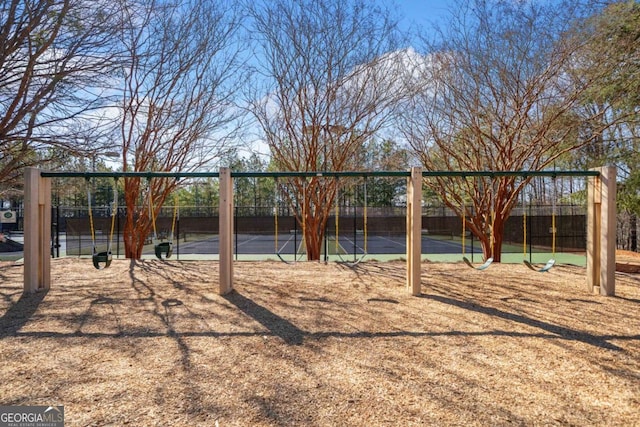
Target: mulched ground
{"points": [[627, 261], [152, 343]]}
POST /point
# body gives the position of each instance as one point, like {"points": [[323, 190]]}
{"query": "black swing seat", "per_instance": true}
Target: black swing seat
{"points": [[164, 250], [102, 260]]}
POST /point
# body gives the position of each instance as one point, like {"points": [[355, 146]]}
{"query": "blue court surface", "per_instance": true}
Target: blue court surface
{"points": [[289, 244]]}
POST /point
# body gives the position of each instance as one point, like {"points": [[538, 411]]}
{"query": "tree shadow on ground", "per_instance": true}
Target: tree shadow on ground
{"points": [[277, 325], [560, 331], [18, 314]]}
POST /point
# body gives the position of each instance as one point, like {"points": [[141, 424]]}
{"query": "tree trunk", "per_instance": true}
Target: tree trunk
{"points": [[137, 222], [136, 230], [130, 237], [314, 233], [132, 244], [490, 237], [634, 233], [498, 236], [313, 244], [317, 197]]}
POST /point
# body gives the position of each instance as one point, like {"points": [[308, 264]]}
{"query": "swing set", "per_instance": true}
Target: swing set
{"points": [[466, 260], [551, 261], [338, 249], [601, 219], [162, 249], [526, 262], [102, 260]]}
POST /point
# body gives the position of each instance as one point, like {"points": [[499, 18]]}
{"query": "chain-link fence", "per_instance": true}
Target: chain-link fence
{"points": [[257, 224]]}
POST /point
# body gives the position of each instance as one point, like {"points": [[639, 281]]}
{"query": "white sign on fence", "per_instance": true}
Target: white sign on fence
{"points": [[8, 217]]}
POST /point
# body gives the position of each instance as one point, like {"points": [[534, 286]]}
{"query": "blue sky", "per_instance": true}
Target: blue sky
{"points": [[422, 12]]}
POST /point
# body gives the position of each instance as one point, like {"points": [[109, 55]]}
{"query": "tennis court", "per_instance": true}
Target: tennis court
{"points": [[290, 247], [383, 239]]}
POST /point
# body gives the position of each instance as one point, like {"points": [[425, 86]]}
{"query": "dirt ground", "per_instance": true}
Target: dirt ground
{"points": [[152, 343]]}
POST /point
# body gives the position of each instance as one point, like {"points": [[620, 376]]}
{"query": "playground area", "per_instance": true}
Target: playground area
{"points": [[153, 343]]}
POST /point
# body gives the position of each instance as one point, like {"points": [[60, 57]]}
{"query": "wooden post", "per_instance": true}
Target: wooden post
{"points": [[37, 231], [601, 232], [414, 230], [594, 197], [226, 231]]}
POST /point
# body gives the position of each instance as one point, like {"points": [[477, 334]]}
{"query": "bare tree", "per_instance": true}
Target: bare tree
{"points": [[177, 98], [52, 57], [496, 93], [330, 72]]}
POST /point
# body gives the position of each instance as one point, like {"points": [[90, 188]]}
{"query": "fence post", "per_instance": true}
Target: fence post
{"points": [[226, 231], [414, 230], [37, 231], [601, 232]]}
